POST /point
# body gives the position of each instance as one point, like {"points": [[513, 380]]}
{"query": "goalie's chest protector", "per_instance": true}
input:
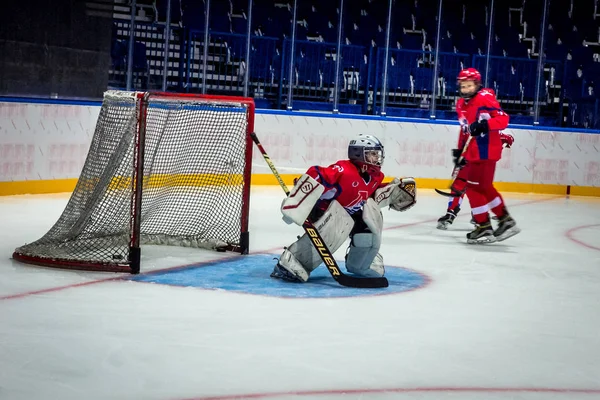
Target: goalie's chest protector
{"points": [[349, 189]]}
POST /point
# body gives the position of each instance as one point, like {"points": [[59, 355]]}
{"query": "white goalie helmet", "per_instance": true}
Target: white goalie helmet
{"points": [[367, 152]]}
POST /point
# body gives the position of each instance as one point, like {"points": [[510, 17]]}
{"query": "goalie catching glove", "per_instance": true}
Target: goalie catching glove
{"points": [[399, 195]]}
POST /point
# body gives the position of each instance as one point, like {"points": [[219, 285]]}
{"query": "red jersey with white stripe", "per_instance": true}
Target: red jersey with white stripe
{"points": [[344, 182], [482, 106]]}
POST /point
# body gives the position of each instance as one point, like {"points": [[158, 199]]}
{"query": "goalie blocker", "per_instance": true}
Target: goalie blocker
{"points": [[343, 200]]}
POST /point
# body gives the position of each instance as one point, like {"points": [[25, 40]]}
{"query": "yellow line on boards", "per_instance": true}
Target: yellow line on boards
{"points": [[172, 180], [37, 187]]}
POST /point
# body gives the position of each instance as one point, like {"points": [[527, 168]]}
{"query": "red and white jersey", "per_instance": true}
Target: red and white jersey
{"points": [[344, 183], [482, 106]]}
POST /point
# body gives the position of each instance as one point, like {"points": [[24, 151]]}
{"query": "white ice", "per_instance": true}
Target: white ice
{"points": [[513, 320]]}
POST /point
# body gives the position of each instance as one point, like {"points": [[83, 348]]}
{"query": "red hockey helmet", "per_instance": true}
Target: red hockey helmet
{"points": [[468, 74]]}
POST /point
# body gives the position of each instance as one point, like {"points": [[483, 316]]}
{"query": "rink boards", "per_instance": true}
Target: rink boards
{"points": [[43, 146]]}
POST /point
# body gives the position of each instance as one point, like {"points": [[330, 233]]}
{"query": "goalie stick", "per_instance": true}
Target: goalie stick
{"points": [[319, 243], [455, 171]]}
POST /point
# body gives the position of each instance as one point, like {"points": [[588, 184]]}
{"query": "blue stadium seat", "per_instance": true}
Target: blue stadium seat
{"points": [[280, 22], [378, 36], [259, 66], [572, 38], [446, 43], [355, 35], [423, 79], [401, 16], [318, 18], [140, 60], [301, 32], [239, 4], [327, 71], [369, 27], [398, 78], [508, 87], [118, 54], [219, 22], [510, 44], [497, 48], [449, 66], [529, 81], [582, 55], [465, 43], [239, 25], [554, 49], [275, 65], [412, 41], [475, 19], [353, 62], [583, 11], [451, 84], [590, 89], [307, 68], [161, 7], [237, 46], [193, 14]]}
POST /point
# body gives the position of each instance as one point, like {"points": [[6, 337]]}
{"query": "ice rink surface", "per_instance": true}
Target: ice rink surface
{"points": [[513, 320]]}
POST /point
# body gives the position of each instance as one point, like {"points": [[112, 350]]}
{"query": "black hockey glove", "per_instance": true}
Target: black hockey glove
{"points": [[479, 128], [455, 157]]}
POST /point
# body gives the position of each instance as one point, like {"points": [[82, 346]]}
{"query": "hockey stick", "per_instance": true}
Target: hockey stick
{"points": [[455, 171], [319, 243]]}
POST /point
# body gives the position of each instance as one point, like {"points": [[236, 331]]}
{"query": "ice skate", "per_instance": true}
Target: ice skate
{"points": [[288, 268], [507, 227], [482, 234], [447, 219], [279, 272]]}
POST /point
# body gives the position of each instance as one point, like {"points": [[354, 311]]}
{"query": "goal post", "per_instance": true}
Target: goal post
{"points": [[162, 169]]}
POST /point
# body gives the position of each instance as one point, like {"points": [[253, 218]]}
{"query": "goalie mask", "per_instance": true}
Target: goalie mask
{"points": [[366, 151]]}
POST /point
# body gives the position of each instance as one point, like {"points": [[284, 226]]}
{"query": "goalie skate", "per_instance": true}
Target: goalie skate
{"points": [[280, 272], [289, 268]]}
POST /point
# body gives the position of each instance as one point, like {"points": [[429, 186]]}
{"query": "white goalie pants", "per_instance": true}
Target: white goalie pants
{"points": [[335, 226]]}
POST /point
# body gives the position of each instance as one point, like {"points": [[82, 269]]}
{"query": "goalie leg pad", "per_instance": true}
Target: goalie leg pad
{"points": [[363, 256], [377, 269], [334, 226], [373, 218]]}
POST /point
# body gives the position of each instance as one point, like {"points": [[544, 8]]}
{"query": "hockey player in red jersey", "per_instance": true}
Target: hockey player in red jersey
{"points": [[459, 186], [481, 117], [343, 200]]}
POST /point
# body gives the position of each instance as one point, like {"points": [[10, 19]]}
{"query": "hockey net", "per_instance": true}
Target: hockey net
{"points": [[162, 169]]}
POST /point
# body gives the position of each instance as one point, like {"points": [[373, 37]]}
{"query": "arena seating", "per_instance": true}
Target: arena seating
{"points": [[571, 71]]}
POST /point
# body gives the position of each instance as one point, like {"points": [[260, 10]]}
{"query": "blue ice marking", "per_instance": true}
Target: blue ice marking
{"points": [[250, 274]]}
